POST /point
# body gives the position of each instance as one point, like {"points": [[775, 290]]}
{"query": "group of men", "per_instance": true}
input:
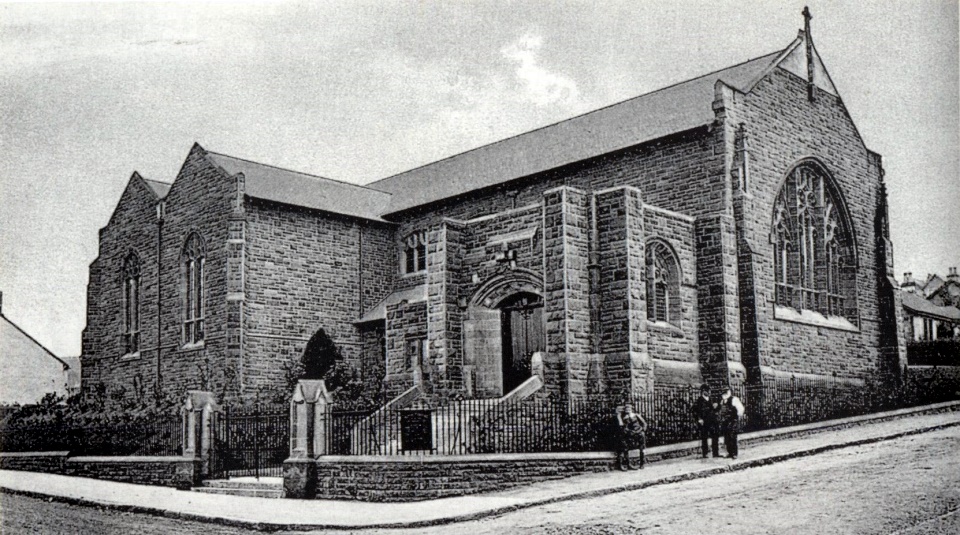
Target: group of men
{"points": [[715, 416]]}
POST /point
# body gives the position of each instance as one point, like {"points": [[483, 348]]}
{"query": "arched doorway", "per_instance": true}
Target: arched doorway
{"points": [[522, 335], [502, 328]]}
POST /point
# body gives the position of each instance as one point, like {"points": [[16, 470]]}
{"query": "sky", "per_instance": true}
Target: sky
{"points": [[90, 92]]}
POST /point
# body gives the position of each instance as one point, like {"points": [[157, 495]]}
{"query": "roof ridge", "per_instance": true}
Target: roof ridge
{"points": [[584, 114], [311, 175]]}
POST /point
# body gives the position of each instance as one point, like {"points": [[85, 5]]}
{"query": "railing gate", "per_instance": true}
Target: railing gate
{"points": [[250, 442]]}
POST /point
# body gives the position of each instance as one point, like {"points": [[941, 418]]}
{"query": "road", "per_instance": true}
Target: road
{"points": [[907, 486]]}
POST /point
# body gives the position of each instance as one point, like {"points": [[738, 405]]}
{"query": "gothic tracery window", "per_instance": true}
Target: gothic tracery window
{"points": [[192, 261], [663, 284], [415, 253], [813, 247], [131, 304]]}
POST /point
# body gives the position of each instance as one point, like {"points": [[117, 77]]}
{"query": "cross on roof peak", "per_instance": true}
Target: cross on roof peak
{"points": [[808, 39]]}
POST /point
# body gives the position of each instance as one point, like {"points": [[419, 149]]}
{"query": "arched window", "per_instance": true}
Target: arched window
{"points": [[813, 246], [131, 304], [663, 284], [415, 253], [192, 260]]}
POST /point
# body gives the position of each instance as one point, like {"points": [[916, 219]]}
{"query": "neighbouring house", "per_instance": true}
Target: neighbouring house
{"points": [[730, 229], [937, 290], [73, 375], [931, 320], [925, 320], [30, 370]]}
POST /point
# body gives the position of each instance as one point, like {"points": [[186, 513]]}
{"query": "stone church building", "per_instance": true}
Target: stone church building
{"points": [[729, 229]]}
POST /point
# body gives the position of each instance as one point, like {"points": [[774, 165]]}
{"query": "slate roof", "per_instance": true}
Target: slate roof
{"points": [[933, 283], [674, 109], [159, 188], [919, 305], [379, 312], [300, 189]]}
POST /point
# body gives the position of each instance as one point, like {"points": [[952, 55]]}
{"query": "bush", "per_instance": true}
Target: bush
{"points": [[322, 359], [934, 353], [96, 425]]}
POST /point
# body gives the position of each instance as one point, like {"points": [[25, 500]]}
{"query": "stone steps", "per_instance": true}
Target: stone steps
{"points": [[267, 487]]}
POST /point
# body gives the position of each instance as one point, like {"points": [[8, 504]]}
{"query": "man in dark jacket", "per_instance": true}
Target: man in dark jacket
{"points": [[705, 413]]}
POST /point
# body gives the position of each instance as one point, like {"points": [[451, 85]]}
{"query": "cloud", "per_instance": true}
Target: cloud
{"points": [[542, 86]]}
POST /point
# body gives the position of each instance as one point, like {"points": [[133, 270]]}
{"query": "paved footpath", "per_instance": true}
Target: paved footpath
{"points": [[274, 514]]}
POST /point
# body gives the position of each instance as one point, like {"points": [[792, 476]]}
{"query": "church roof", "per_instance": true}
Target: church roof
{"points": [[674, 109], [671, 110], [919, 305], [300, 189], [159, 188]]}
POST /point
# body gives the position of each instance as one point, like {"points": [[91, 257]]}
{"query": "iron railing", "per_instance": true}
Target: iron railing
{"points": [[546, 424], [795, 400], [543, 424], [252, 441]]}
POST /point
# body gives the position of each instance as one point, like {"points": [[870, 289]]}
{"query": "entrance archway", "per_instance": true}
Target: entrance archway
{"points": [[521, 330], [502, 328]]}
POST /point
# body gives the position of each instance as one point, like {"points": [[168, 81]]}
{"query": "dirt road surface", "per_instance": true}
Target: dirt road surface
{"points": [[906, 486]]}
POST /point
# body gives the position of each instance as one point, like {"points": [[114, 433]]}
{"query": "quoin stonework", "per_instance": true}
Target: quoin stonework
{"points": [[730, 229]]}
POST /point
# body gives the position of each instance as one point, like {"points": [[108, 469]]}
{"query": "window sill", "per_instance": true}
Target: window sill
{"points": [[664, 327], [413, 274], [192, 346], [816, 319], [131, 356]]}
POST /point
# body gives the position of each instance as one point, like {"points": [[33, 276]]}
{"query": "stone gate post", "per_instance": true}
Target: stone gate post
{"points": [[199, 409], [309, 407]]}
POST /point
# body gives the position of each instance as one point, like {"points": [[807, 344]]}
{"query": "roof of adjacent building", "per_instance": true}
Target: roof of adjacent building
{"points": [[921, 306], [301, 189], [73, 373], [11, 329], [932, 284]]}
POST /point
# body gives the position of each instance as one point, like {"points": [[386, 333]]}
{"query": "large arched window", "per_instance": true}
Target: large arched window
{"points": [[192, 260], [663, 284], [131, 304], [813, 246]]}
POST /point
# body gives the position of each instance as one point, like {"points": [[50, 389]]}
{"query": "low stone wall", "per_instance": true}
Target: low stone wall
{"points": [[178, 472], [397, 478], [50, 462]]}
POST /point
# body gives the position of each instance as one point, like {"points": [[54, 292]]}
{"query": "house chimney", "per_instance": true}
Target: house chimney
{"points": [[908, 284], [952, 275]]}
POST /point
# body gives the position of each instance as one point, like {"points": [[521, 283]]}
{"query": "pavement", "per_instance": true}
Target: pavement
{"points": [[757, 449]]}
